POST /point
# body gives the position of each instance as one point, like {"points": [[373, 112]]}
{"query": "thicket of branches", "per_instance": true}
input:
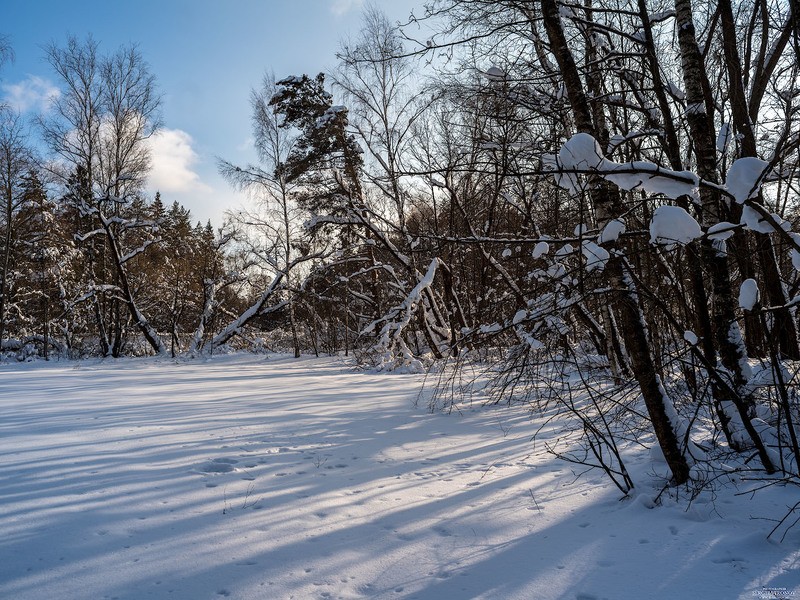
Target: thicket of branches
{"points": [[587, 206]]}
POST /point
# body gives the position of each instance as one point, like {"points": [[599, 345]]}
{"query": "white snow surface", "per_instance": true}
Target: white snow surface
{"points": [[252, 477], [755, 222], [721, 231], [540, 249], [795, 255], [495, 73], [744, 178], [611, 232], [748, 294], [582, 153], [673, 225], [596, 256]]}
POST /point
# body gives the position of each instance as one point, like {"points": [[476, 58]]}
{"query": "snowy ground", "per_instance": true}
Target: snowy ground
{"points": [[255, 478]]}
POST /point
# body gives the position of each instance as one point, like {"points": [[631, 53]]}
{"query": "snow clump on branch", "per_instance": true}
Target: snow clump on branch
{"points": [[582, 154], [744, 178], [673, 225], [748, 294]]}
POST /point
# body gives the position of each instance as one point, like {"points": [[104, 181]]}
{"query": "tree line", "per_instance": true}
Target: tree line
{"points": [[590, 207]]}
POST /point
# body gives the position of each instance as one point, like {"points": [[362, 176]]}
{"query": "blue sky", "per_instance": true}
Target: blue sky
{"points": [[206, 55]]}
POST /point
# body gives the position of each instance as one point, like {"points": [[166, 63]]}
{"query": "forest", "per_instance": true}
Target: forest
{"points": [[589, 207]]}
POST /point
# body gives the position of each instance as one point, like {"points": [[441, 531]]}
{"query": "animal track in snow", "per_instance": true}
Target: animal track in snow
{"points": [[219, 465]]}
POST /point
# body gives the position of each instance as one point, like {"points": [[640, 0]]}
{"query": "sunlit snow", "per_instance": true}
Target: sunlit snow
{"points": [[671, 225], [253, 478]]}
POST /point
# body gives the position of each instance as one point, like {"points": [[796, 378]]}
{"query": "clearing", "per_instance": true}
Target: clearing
{"points": [[255, 477]]}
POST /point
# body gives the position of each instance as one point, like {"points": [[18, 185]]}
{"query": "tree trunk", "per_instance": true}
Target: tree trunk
{"points": [[726, 328], [139, 319], [5, 266], [604, 198], [774, 293]]}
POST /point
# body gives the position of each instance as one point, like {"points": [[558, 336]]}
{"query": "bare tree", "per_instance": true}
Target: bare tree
{"points": [[15, 161], [277, 220], [98, 128]]}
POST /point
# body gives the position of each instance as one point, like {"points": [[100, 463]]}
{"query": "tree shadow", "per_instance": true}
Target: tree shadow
{"points": [[263, 479]]}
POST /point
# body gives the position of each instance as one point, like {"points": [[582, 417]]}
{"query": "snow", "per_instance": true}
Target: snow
{"points": [[675, 91], [611, 232], [329, 115], [565, 250], [254, 477], [690, 337], [680, 428], [394, 354], [748, 294], [662, 16], [495, 74], [755, 222], [794, 254], [721, 231], [529, 340], [596, 256], [673, 225], [582, 153], [744, 178], [540, 249], [650, 177], [695, 108]]}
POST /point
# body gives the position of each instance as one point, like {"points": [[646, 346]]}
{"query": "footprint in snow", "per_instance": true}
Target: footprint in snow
{"points": [[219, 465], [605, 563], [442, 575], [722, 560]]}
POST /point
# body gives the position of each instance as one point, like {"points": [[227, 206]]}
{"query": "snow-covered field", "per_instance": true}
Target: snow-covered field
{"points": [[268, 478]]}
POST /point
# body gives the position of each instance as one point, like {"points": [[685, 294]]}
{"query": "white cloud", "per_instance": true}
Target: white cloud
{"points": [[248, 145], [183, 176], [33, 93], [342, 7], [172, 160]]}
